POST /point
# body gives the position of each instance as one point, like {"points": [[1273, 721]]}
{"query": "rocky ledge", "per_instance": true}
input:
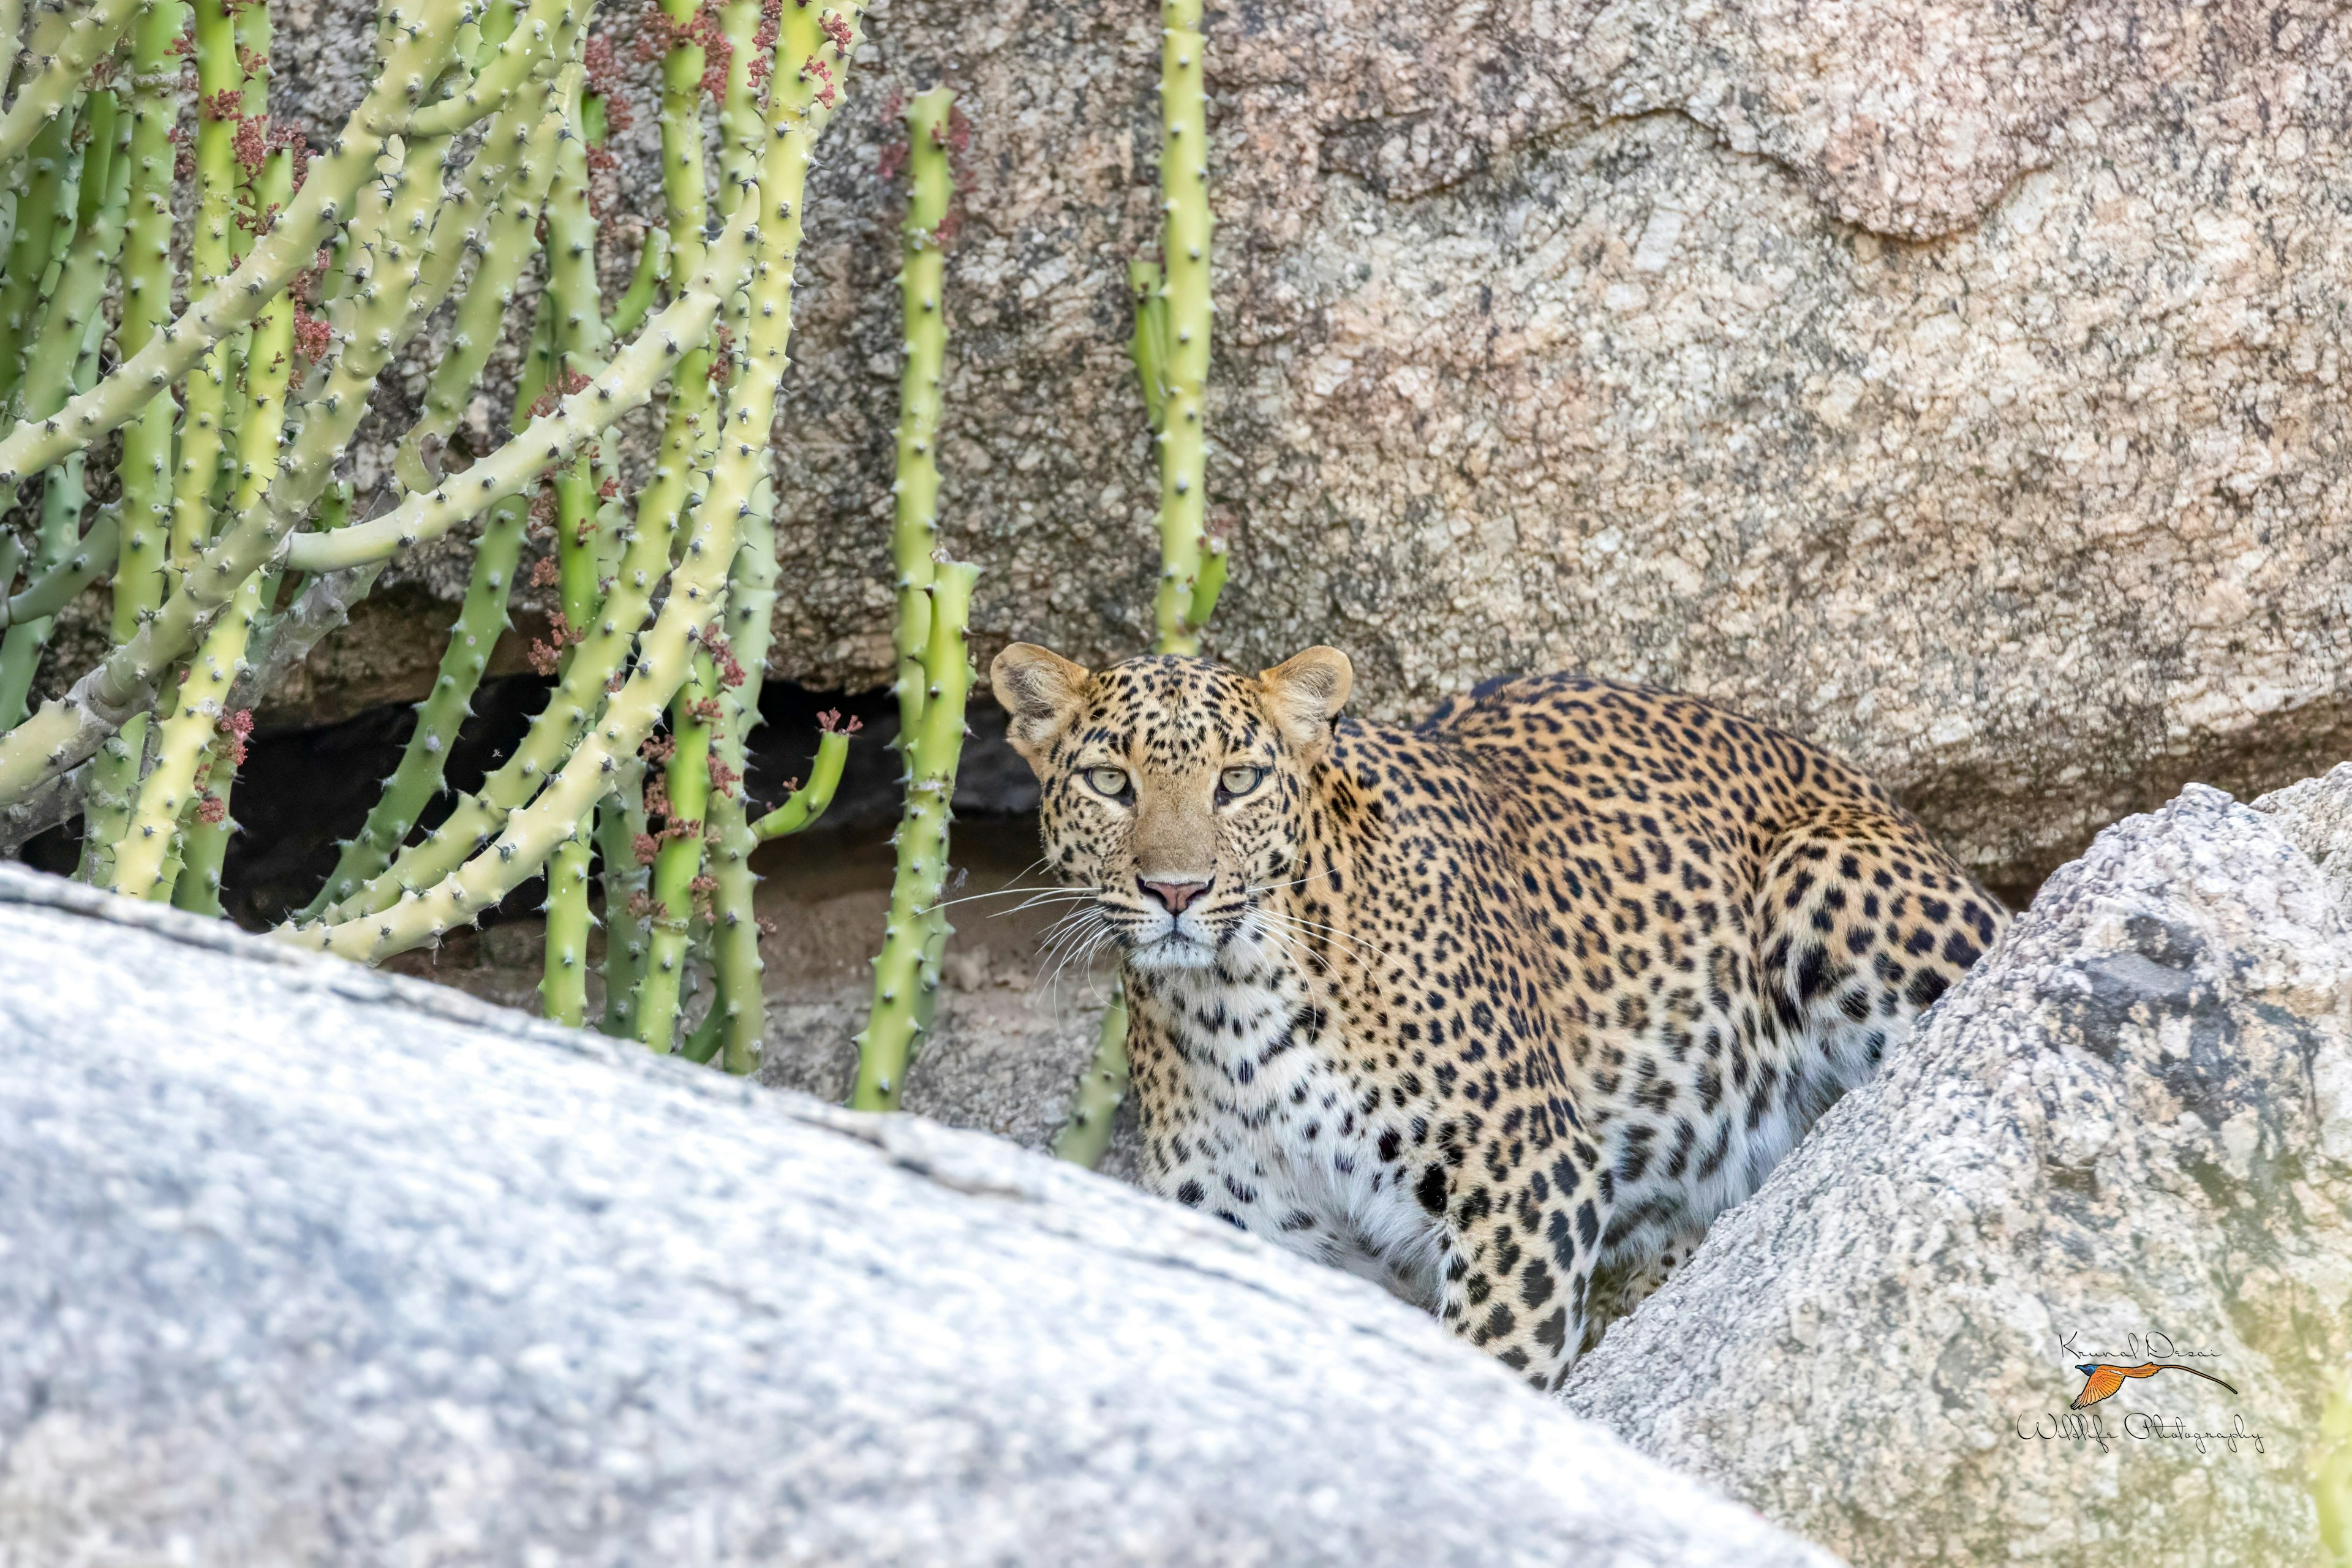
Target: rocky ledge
{"points": [[2125, 1137], [300, 1264]]}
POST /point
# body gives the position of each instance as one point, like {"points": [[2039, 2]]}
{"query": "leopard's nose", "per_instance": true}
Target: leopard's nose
{"points": [[1173, 896]]}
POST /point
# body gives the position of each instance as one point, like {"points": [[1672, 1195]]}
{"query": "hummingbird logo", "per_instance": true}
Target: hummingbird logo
{"points": [[2101, 1378]]}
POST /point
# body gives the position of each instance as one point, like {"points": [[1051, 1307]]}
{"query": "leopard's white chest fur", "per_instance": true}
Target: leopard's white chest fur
{"points": [[1278, 1135]]}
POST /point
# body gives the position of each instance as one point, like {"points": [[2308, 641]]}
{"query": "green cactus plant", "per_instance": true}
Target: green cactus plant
{"points": [[678, 877], [563, 976], [636, 301], [32, 613], [512, 60], [12, 22], [915, 494], [64, 71], [144, 473], [220, 87], [69, 728], [219, 507], [678, 863], [1085, 1133], [1170, 348], [576, 321], [807, 802], [589, 667], [803, 101], [905, 971], [61, 357], [424, 757], [1182, 327], [47, 179], [418, 49], [548, 441], [736, 1021], [479, 816], [628, 894], [531, 834], [512, 176], [53, 589], [150, 846], [265, 354]]}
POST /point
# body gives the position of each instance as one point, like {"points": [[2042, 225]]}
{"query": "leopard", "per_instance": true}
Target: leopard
{"points": [[1500, 1010]]}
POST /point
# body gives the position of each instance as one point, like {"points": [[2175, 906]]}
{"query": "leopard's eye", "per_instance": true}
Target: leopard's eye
{"points": [[1111, 782], [1238, 782]]}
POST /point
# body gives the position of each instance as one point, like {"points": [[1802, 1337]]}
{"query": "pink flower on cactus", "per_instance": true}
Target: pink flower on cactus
{"points": [[251, 142], [603, 71], [287, 138], [312, 337], [236, 729], [722, 655], [763, 44], [546, 655], [816, 70], [564, 386]]}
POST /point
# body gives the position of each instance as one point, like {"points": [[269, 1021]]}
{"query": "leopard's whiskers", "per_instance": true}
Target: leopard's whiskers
{"points": [[1288, 941], [1007, 892], [1357, 946], [1294, 881], [1080, 943], [1054, 898], [1073, 931], [1294, 943]]}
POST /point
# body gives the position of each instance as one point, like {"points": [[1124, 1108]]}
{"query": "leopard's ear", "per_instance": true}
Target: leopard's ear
{"points": [[1304, 693], [1042, 691]]}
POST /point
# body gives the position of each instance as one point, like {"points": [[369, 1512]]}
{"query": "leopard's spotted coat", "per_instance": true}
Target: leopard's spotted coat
{"points": [[1535, 989]]}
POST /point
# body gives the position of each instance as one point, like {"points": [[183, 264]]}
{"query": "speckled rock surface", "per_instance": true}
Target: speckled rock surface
{"points": [[2125, 1136], [301, 1264], [1959, 386], [2316, 814]]}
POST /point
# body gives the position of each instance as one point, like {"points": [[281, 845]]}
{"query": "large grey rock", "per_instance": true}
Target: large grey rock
{"points": [[1960, 385], [2126, 1135], [1956, 385], [300, 1264]]}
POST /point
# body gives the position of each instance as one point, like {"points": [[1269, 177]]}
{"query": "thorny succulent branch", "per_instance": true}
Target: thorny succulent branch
{"points": [[663, 655], [1170, 347], [307, 270]]}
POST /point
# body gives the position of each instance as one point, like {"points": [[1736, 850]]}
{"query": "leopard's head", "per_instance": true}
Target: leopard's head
{"points": [[1175, 789]]}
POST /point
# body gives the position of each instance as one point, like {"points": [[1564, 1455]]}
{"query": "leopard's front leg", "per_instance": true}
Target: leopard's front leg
{"points": [[1520, 1246]]}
